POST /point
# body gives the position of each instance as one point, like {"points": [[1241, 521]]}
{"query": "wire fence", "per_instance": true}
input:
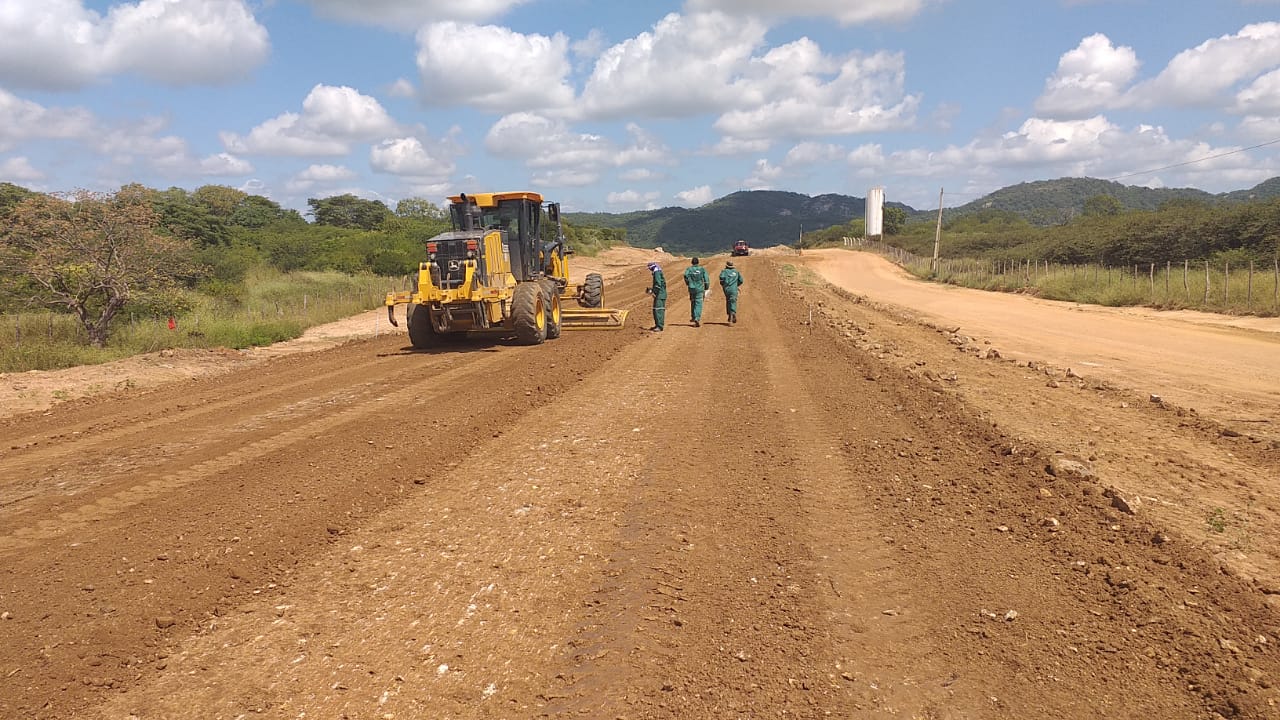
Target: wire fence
{"points": [[1249, 288]]}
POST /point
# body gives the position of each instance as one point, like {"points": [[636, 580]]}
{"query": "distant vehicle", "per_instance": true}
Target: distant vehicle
{"points": [[740, 248]]}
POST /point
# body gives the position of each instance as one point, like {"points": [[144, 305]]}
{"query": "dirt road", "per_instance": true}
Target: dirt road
{"points": [[812, 513], [1227, 366]]}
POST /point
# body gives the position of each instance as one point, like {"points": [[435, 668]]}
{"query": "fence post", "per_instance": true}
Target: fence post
{"points": [[1168, 269], [1186, 266], [1153, 282], [1249, 300], [1226, 286], [1206, 283]]}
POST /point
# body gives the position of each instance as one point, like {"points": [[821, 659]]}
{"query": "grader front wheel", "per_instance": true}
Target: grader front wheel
{"points": [[528, 313], [422, 333], [592, 291], [551, 304]]}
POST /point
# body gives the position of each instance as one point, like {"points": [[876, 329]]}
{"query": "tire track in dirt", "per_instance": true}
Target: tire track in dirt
{"points": [[65, 457], [90, 612], [761, 520], [231, 451]]}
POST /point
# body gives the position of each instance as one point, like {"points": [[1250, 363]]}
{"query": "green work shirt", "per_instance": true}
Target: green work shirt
{"points": [[730, 280], [695, 276]]}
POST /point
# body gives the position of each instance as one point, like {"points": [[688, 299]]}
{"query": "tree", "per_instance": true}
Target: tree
{"points": [[221, 201], [1102, 206], [181, 215], [349, 211], [420, 209], [93, 254], [894, 219], [11, 195], [256, 211]]}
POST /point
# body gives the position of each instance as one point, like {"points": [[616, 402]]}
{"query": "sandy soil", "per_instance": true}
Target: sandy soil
{"points": [[1223, 365], [831, 509]]}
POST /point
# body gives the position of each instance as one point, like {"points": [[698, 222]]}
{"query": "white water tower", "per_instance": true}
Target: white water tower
{"points": [[874, 214]]}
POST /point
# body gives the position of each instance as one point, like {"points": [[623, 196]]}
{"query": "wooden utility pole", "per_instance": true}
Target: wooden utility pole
{"points": [[937, 234]]}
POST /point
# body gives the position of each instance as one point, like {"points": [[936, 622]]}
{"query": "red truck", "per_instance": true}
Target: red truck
{"points": [[740, 248]]}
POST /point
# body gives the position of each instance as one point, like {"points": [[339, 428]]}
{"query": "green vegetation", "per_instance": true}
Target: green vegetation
{"points": [[269, 306], [763, 218], [86, 277]]}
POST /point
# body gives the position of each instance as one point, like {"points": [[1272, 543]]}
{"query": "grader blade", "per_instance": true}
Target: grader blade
{"points": [[592, 318]]}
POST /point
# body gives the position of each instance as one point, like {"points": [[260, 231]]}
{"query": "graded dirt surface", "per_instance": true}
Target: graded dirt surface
{"points": [[829, 509]]}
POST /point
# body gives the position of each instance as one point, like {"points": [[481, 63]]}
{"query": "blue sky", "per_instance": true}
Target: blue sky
{"points": [[629, 105]]}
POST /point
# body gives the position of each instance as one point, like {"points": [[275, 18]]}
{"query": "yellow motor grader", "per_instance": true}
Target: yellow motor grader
{"points": [[501, 270]]}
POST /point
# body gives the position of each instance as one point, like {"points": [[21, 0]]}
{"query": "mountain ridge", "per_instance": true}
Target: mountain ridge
{"points": [[776, 217]]}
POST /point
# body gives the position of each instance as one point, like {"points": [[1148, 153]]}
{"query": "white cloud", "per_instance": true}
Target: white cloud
{"points": [[492, 68], [811, 153], [729, 145], [695, 197], [184, 42], [332, 118], [866, 95], [870, 155], [397, 14], [1262, 95], [22, 120], [1092, 76], [402, 88], [60, 44], [225, 164], [321, 174], [1202, 75], [685, 66], [641, 174], [19, 170], [564, 178], [544, 142], [1092, 147], [342, 112], [1260, 128], [410, 158], [632, 198], [846, 12], [142, 141], [763, 176]]}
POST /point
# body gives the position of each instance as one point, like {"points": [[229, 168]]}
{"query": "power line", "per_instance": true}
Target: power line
{"points": [[1192, 162]]}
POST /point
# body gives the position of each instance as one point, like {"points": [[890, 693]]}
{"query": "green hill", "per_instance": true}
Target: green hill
{"points": [[761, 217], [771, 217]]}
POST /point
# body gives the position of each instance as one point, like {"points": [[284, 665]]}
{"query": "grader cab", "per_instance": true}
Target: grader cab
{"points": [[502, 271]]}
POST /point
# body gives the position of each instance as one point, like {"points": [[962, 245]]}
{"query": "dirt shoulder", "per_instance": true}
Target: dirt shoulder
{"points": [[1175, 416], [1221, 366]]}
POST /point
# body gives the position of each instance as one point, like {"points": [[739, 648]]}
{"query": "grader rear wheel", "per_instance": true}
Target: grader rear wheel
{"points": [[528, 313]]}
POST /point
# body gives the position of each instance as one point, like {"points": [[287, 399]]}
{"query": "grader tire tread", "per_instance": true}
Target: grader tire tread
{"points": [[422, 334], [527, 314], [551, 302], [593, 291]]}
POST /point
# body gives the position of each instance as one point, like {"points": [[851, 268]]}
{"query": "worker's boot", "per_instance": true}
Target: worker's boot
{"points": [[733, 317]]}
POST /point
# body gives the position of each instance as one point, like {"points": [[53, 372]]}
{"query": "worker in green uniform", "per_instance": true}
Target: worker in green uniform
{"points": [[659, 292], [696, 279], [730, 281]]}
